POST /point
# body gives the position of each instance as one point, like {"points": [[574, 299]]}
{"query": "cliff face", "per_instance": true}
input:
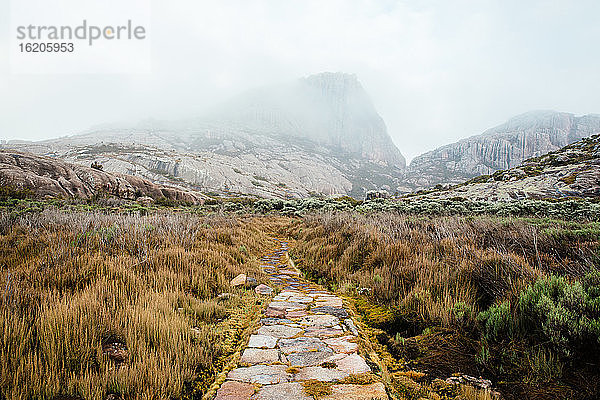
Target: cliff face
{"points": [[332, 109], [45, 176], [505, 146]]}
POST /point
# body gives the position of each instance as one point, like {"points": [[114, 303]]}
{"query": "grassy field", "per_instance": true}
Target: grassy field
{"points": [[514, 300], [95, 304], [109, 301]]}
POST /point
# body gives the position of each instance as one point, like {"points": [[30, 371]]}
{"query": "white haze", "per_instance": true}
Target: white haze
{"points": [[437, 71]]}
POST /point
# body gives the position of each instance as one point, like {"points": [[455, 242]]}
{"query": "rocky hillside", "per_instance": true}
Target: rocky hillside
{"points": [[46, 176], [573, 171], [320, 134], [505, 146]]}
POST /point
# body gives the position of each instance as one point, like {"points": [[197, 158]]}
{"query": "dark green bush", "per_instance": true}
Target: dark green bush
{"points": [[497, 322], [565, 313]]}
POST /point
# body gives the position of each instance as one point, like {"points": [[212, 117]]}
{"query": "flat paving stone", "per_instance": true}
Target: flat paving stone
{"points": [[320, 374], [351, 327], [289, 272], [290, 293], [282, 391], [296, 314], [353, 364], [275, 321], [287, 305], [279, 331], [308, 358], [342, 344], [275, 312], [302, 344], [233, 390], [298, 299], [324, 320], [261, 374], [374, 391], [261, 356], [262, 341], [323, 332], [338, 312]]}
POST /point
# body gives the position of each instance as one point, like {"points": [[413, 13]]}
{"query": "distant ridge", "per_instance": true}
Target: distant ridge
{"points": [[527, 135]]}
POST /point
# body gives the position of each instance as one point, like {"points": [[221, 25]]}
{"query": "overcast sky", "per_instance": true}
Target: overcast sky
{"points": [[437, 71]]}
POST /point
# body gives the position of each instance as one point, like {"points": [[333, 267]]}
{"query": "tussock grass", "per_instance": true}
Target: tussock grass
{"points": [[423, 282], [74, 284], [437, 269]]}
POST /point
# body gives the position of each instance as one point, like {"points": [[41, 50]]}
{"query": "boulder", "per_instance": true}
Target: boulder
{"points": [[263, 289], [239, 280]]}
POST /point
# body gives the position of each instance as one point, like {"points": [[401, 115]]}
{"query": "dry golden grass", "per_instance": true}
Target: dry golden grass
{"points": [[436, 270], [75, 284], [420, 282]]}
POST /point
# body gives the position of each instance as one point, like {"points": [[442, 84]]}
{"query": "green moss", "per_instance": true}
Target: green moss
{"points": [[317, 389]]}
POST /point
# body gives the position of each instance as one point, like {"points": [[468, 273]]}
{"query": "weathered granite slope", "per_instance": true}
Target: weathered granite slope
{"points": [[573, 171], [46, 176], [320, 134], [505, 146]]}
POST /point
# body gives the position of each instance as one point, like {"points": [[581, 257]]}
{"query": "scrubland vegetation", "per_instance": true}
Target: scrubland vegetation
{"points": [[514, 300], [107, 299], [114, 306]]}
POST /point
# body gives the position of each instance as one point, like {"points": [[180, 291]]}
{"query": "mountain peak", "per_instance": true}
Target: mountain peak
{"points": [[333, 80], [330, 108]]}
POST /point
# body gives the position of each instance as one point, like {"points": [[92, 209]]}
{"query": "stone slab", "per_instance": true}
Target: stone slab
{"points": [[262, 341], [282, 391], [279, 331], [233, 390], [308, 358], [261, 374], [353, 364], [302, 344], [342, 344], [261, 356]]}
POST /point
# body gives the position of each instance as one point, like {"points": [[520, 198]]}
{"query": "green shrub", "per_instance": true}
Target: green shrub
{"points": [[565, 313], [462, 314], [497, 322], [554, 310]]}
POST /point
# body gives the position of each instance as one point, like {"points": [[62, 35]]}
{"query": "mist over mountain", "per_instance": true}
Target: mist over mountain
{"points": [[319, 134], [506, 146], [331, 109]]}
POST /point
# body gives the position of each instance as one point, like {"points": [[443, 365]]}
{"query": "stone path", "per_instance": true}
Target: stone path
{"points": [[305, 348]]}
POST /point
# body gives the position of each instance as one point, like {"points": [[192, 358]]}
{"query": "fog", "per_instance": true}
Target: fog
{"points": [[437, 71]]}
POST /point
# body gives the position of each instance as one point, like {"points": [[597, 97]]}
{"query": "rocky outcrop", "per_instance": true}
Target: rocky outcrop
{"points": [[318, 135], [505, 146], [573, 171], [46, 176]]}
